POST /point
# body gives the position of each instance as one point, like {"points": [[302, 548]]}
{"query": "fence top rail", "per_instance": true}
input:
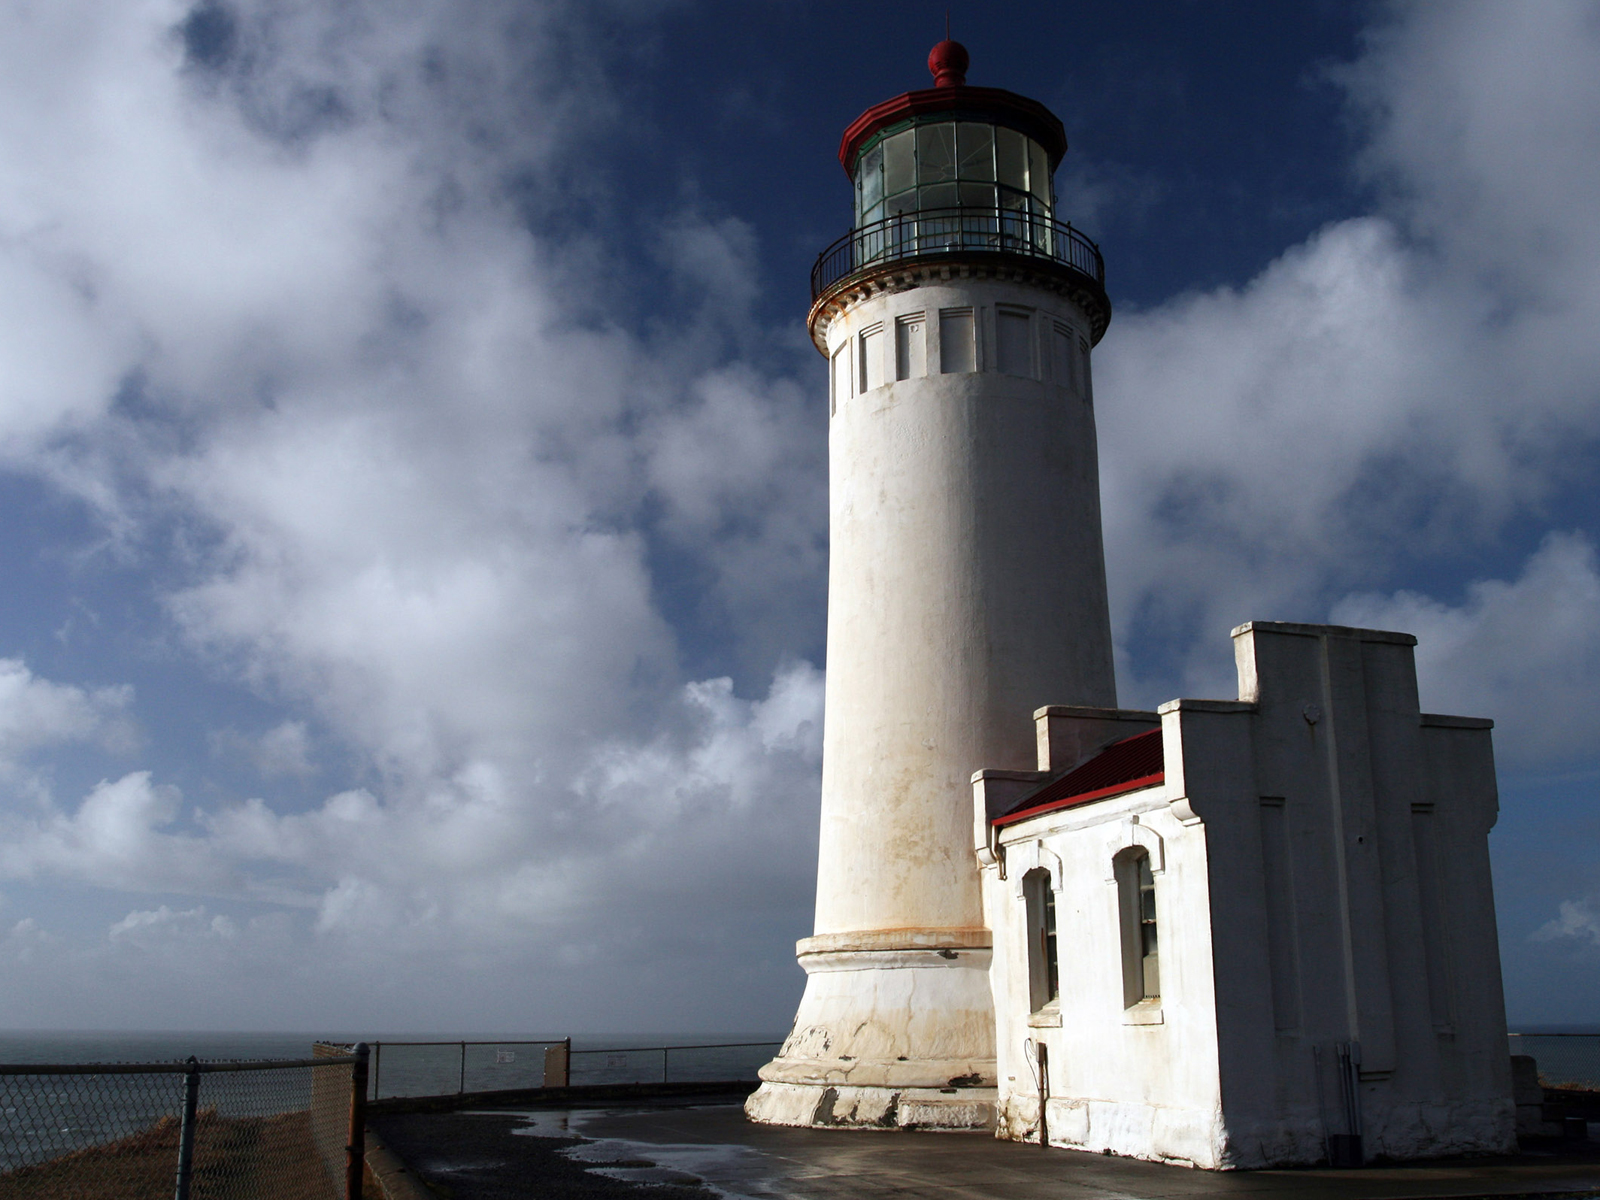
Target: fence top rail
{"points": [[706, 1046], [482, 1042], [1582, 1035], [172, 1068]]}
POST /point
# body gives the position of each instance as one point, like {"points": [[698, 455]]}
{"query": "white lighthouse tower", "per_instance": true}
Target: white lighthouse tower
{"points": [[966, 581]]}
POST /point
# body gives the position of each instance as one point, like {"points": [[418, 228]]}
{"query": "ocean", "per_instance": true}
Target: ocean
{"points": [[45, 1116], [496, 1062]]}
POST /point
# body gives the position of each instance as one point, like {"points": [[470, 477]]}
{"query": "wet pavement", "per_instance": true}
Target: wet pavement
{"points": [[695, 1151]]}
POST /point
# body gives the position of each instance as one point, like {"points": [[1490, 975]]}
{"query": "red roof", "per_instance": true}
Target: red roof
{"points": [[1126, 766]]}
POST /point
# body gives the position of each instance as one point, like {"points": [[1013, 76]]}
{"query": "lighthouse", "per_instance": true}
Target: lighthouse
{"points": [[966, 581]]}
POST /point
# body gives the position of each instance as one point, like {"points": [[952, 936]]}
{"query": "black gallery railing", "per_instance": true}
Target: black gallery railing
{"points": [[934, 232]]}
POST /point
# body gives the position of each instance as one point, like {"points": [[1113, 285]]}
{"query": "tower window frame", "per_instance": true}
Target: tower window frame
{"points": [[1139, 917], [1044, 962]]}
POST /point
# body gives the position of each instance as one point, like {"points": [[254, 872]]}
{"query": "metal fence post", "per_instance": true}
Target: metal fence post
{"points": [[356, 1147], [377, 1069], [191, 1103], [665, 1050], [462, 1090]]}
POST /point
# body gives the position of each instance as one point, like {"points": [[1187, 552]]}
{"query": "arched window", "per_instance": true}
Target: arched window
{"points": [[1044, 980], [1136, 895]]}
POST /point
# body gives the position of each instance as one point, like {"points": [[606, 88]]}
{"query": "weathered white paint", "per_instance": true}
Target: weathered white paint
{"points": [[1322, 876], [966, 581]]}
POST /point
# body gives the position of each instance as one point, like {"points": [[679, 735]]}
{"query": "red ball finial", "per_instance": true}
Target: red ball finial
{"points": [[948, 62]]}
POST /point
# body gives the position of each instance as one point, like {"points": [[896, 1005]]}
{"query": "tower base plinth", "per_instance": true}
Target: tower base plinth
{"points": [[872, 1107], [895, 1031]]}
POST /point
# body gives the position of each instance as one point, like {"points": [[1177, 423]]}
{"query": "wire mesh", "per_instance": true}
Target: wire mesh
{"points": [[669, 1064], [112, 1131], [442, 1068], [89, 1136], [1566, 1060]]}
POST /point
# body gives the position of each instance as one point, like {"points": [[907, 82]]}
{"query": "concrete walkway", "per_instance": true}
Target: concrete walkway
{"points": [[668, 1152]]}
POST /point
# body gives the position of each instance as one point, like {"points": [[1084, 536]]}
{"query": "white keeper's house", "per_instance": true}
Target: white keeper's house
{"points": [[1230, 933]]}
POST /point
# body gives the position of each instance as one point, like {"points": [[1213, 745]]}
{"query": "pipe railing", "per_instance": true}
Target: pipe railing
{"points": [[939, 232]]}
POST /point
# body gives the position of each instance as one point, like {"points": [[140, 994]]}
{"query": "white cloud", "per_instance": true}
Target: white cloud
{"points": [[1398, 385], [1525, 652], [114, 839], [36, 713], [283, 750], [1579, 922], [397, 471], [146, 926]]}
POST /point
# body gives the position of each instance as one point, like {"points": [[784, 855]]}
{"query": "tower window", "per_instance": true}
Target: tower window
{"points": [[1063, 357], [1044, 980], [1136, 894], [1013, 336], [910, 347], [958, 347], [872, 358], [841, 375]]}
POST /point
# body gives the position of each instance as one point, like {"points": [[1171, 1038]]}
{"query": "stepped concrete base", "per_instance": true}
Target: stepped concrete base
{"points": [[872, 1107], [895, 1031]]}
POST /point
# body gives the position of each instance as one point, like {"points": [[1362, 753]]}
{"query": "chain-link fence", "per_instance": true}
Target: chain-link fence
{"points": [[1566, 1060], [282, 1129], [439, 1068], [444, 1068], [719, 1063]]}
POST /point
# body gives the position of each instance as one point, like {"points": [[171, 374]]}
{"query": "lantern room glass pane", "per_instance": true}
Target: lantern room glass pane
{"points": [[940, 195], [936, 153], [977, 195], [1011, 159], [899, 163], [871, 175], [1039, 172], [905, 202], [976, 145]]}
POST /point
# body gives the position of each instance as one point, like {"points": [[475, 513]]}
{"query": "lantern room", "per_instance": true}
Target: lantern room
{"points": [[953, 146]]}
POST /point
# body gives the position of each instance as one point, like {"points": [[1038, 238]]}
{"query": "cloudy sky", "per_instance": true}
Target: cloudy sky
{"points": [[412, 492]]}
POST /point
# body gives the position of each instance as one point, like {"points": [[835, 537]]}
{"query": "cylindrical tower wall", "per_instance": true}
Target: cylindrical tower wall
{"points": [[966, 578]]}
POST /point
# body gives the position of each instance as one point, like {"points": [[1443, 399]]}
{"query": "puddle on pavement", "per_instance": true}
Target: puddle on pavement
{"points": [[546, 1125], [730, 1171], [715, 1167], [649, 1175]]}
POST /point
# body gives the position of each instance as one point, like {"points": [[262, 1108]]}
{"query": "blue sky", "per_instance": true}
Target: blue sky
{"points": [[411, 464]]}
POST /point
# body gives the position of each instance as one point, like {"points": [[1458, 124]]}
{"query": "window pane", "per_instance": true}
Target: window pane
{"points": [[899, 163], [871, 176], [977, 195], [940, 195], [841, 375], [1052, 972], [936, 153], [1011, 158], [1038, 171], [903, 203], [976, 144]]}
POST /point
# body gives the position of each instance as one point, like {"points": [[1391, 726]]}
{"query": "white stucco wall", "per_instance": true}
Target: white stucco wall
{"points": [[966, 580], [1139, 1081], [1327, 883]]}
